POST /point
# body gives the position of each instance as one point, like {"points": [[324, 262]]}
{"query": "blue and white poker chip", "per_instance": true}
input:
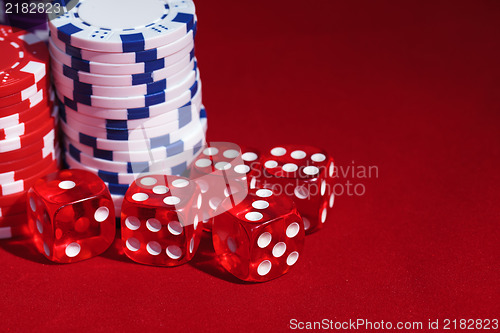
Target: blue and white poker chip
{"points": [[128, 178], [102, 157], [117, 201], [123, 172], [129, 88], [133, 26], [129, 145], [119, 69], [117, 189], [133, 113], [131, 167], [118, 182], [139, 101], [123, 91], [125, 79], [143, 131], [182, 114], [127, 57]]}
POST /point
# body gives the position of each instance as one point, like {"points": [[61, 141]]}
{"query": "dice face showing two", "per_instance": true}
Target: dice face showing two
{"points": [[161, 220], [259, 239], [305, 174], [221, 172], [71, 216]]}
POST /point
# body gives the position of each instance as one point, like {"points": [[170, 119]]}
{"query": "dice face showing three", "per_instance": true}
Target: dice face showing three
{"points": [[305, 174], [259, 239], [161, 220], [71, 216], [221, 171]]}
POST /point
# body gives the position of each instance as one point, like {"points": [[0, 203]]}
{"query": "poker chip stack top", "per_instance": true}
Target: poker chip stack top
{"points": [[27, 128], [129, 88]]}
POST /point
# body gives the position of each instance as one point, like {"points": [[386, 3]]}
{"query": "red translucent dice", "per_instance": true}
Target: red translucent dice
{"points": [[71, 216], [259, 239], [220, 171], [161, 220], [252, 158], [305, 174]]}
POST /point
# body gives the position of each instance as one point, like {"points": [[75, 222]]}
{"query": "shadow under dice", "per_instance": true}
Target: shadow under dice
{"points": [[305, 174], [160, 220], [71, 216], [259, 239], [221, 172]]}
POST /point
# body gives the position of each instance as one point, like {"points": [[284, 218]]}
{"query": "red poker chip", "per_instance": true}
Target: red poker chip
{"points": [[14, 225], [41, 99], [23, 60], [18, 143], [24, 185], [25, 94], [23, 153], [25, 127], [13, 199], [42, 154], [19, 229], [27, 172], [17, 208], [26, 115]]}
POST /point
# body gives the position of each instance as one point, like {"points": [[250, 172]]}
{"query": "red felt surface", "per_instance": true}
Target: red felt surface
{"points": [[410, 87]]}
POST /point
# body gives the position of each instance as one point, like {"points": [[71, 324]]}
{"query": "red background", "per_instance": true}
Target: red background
{"points": [[408, 86]]}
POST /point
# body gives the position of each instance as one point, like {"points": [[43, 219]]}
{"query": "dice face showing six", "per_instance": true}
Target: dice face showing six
{"points": [[305, 174], [71, 216], [161, 220], [259, 239], [221, 171]]}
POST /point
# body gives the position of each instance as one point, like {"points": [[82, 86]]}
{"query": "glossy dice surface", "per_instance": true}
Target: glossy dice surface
{"points": [[71, 216], [160, 220], [220, 171], [252, 158], [259, 239], [305, 174]]}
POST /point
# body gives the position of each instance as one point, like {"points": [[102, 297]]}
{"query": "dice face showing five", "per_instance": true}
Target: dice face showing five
{"points": [[259, 239], [305, 174], [221, 172], [71, 216], [161, 220]]}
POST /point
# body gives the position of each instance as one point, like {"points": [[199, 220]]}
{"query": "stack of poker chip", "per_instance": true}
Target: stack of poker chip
{"points": [[26, 14], [28, 145], [129, 88]]}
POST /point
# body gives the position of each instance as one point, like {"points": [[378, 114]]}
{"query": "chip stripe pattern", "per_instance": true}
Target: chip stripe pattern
{"points": [[28, 126], [128, 88]]}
